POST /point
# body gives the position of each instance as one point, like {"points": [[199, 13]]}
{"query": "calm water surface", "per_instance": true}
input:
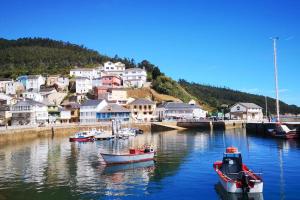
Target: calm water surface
{"points": [[47, 168]]}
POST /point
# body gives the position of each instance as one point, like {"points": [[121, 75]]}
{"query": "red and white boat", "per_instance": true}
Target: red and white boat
{"points": [[236, 177], [134, 155], [82, 136], [282, 131]]}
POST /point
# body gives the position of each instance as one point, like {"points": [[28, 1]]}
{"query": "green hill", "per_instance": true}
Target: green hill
{"points": [[47, 56], [216, 96], [38, 56]]}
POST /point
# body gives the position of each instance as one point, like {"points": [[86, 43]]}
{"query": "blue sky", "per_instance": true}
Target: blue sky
{"points": [[221, 43]]}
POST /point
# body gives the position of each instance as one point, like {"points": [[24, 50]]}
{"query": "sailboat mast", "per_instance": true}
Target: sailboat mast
{"points": [[276, 77]]}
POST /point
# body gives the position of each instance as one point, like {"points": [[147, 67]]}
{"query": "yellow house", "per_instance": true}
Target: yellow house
{"points": [[142, 110]]}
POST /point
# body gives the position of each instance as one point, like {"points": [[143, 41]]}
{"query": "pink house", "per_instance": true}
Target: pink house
{"points": [[111, 80], [100, 92]]}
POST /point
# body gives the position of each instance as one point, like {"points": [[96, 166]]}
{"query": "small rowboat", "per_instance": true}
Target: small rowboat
{"points": [[83, 136], [134, 155], [234, 176], [282, 131]]}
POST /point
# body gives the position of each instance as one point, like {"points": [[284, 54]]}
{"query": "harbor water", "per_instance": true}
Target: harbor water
{"points": [[54, 168]]}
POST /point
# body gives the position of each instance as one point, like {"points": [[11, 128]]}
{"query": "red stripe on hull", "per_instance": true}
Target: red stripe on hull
{"points": [[80, 140], [134, 161]]}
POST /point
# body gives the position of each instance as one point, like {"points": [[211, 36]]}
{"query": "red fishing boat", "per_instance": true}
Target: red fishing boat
{"points": [[83, 136], [283, 131], [236, 177]]}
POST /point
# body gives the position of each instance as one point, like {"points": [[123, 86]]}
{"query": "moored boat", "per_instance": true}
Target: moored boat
{"points": [[236, 177], [137, 130], [134, 155], [82, 136], [125, 133], [282, 131]]}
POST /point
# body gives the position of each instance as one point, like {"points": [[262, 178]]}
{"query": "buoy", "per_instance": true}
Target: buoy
{"points": [[231, 150]]}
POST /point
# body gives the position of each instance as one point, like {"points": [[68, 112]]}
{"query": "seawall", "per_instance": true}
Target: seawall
{"points": [[24, 133]]}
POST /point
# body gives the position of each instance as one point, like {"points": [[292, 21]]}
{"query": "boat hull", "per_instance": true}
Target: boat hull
{"points": [[231, 186], [288, 135], [81, 139], [127, 158]]}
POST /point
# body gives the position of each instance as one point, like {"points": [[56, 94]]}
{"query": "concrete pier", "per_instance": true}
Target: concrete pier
{"points": [[208, 125]]}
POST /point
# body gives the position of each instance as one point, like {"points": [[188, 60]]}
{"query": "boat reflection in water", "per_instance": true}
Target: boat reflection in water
{"points": [[224, 195], [147, 166]]}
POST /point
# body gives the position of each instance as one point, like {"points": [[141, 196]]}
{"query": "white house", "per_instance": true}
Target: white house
{"points": [[63, 82], [83, 85], [89, 73], [13, 87], [89, 109], [111, 68], [175, 110], [3, 82], [36, 96], [34, 82], [29, 112], [65, 115], [96, 82], [134, 77], [246, 111], [6, 99]]}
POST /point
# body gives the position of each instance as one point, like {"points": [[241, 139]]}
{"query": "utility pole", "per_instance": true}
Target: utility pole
{"points": [[276, 77]]}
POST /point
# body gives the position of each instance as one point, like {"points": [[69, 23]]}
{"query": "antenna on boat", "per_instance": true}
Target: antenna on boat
{"points": [[266, 101], [276, 76]]}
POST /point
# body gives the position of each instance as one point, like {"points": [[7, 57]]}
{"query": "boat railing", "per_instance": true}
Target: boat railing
{"points": [[258, 173]]}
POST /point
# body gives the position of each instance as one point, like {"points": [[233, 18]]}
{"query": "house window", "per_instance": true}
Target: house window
{"points": [[134, 106], [145, 107], [145, 113], [149, 106], [140, 107], [238, 108], [135, 113]]}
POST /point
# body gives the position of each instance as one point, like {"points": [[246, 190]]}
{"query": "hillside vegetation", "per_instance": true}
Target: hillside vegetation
{"points": [[150, 94], [47, 56], [216, 96], [43, 56]]}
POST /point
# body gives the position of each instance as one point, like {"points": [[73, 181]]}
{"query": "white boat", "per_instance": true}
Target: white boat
{"points": [[134, 155], [236, 177], [126, 132], [104, 136]]}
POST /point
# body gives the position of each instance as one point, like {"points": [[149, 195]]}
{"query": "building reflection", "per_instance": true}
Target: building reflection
{"points": [[45, 163]]}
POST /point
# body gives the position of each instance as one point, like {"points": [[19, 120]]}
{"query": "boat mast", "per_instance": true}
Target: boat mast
{"points": [[266, 100], [276, 77]]}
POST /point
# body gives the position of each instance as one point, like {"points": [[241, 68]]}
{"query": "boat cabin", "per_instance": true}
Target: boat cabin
{"points": [[232, 163]]}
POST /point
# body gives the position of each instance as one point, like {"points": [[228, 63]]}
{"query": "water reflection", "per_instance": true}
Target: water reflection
{"points": [[46, 168]]}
